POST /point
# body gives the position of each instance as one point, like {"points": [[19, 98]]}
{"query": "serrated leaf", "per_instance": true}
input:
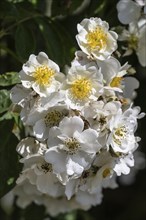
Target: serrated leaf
{"points": [[24, 42], [8, 79], [5, 101], [9, 165]]}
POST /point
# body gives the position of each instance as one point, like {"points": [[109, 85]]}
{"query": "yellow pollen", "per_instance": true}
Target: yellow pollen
{"points": [[46, 167], [53, 118], [97, 39], [106, 172], [72, 145], [119, 135], [81, 88], [133, 42], [43, 75], [116, 82]]}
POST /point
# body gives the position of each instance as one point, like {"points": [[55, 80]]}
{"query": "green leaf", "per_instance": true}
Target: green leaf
{"points": [[8, 79], [7, 11], [66, 42], [24, 42], [9, 165], [5, 101], [53, 46], [63, 7], [57, 41]]}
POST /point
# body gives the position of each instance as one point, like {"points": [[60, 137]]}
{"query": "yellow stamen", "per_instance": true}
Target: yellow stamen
{"points": [[106, 172], [72, 145], [119, 134], [133, 42], [97, 39], [116, 82], [43, 75], [53, 118], [81, 88]]}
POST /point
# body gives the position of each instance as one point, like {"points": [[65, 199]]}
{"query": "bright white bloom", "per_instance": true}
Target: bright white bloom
{"points": [[136, 40], [110, 72], [83, 84], [99, 113], [34, 110], [128, 11], [103, 168], [41, 74], [81, 126], [48, 119], [113, 74], [122, 128], [95, 39], [41, 175], [36, 170], [71, 148], [99, 175]]}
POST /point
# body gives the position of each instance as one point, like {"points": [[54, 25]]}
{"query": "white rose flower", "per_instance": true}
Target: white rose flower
{"points": [[99, 113], [48, 119], [41, 175], [113, 73], [95, 39], [136, 41], [122, 128], [71, 149], [35, 107], [41, 74], [83, 84], [35, 168]]}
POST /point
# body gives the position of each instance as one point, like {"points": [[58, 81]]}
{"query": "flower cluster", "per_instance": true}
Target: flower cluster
{"points": [[80, 125], [133, 13]]}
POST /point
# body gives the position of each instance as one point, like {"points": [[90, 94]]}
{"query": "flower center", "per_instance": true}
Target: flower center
{"points": [[81, 88], [106, 172], [133, 42], [46, 167], [43, 75], [53, 118], [72, 144], [97, 39], [116, 82], [119, 135]]}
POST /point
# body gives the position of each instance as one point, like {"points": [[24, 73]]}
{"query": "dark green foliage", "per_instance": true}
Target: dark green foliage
{"points": [[9, 165]]}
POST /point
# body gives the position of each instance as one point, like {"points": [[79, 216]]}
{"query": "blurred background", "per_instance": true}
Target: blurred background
{"points": [[31, 26]]}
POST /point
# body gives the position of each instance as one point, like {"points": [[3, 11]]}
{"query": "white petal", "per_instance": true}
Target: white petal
{"points": [[69, 125], [73, 168], [57, 159]]}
